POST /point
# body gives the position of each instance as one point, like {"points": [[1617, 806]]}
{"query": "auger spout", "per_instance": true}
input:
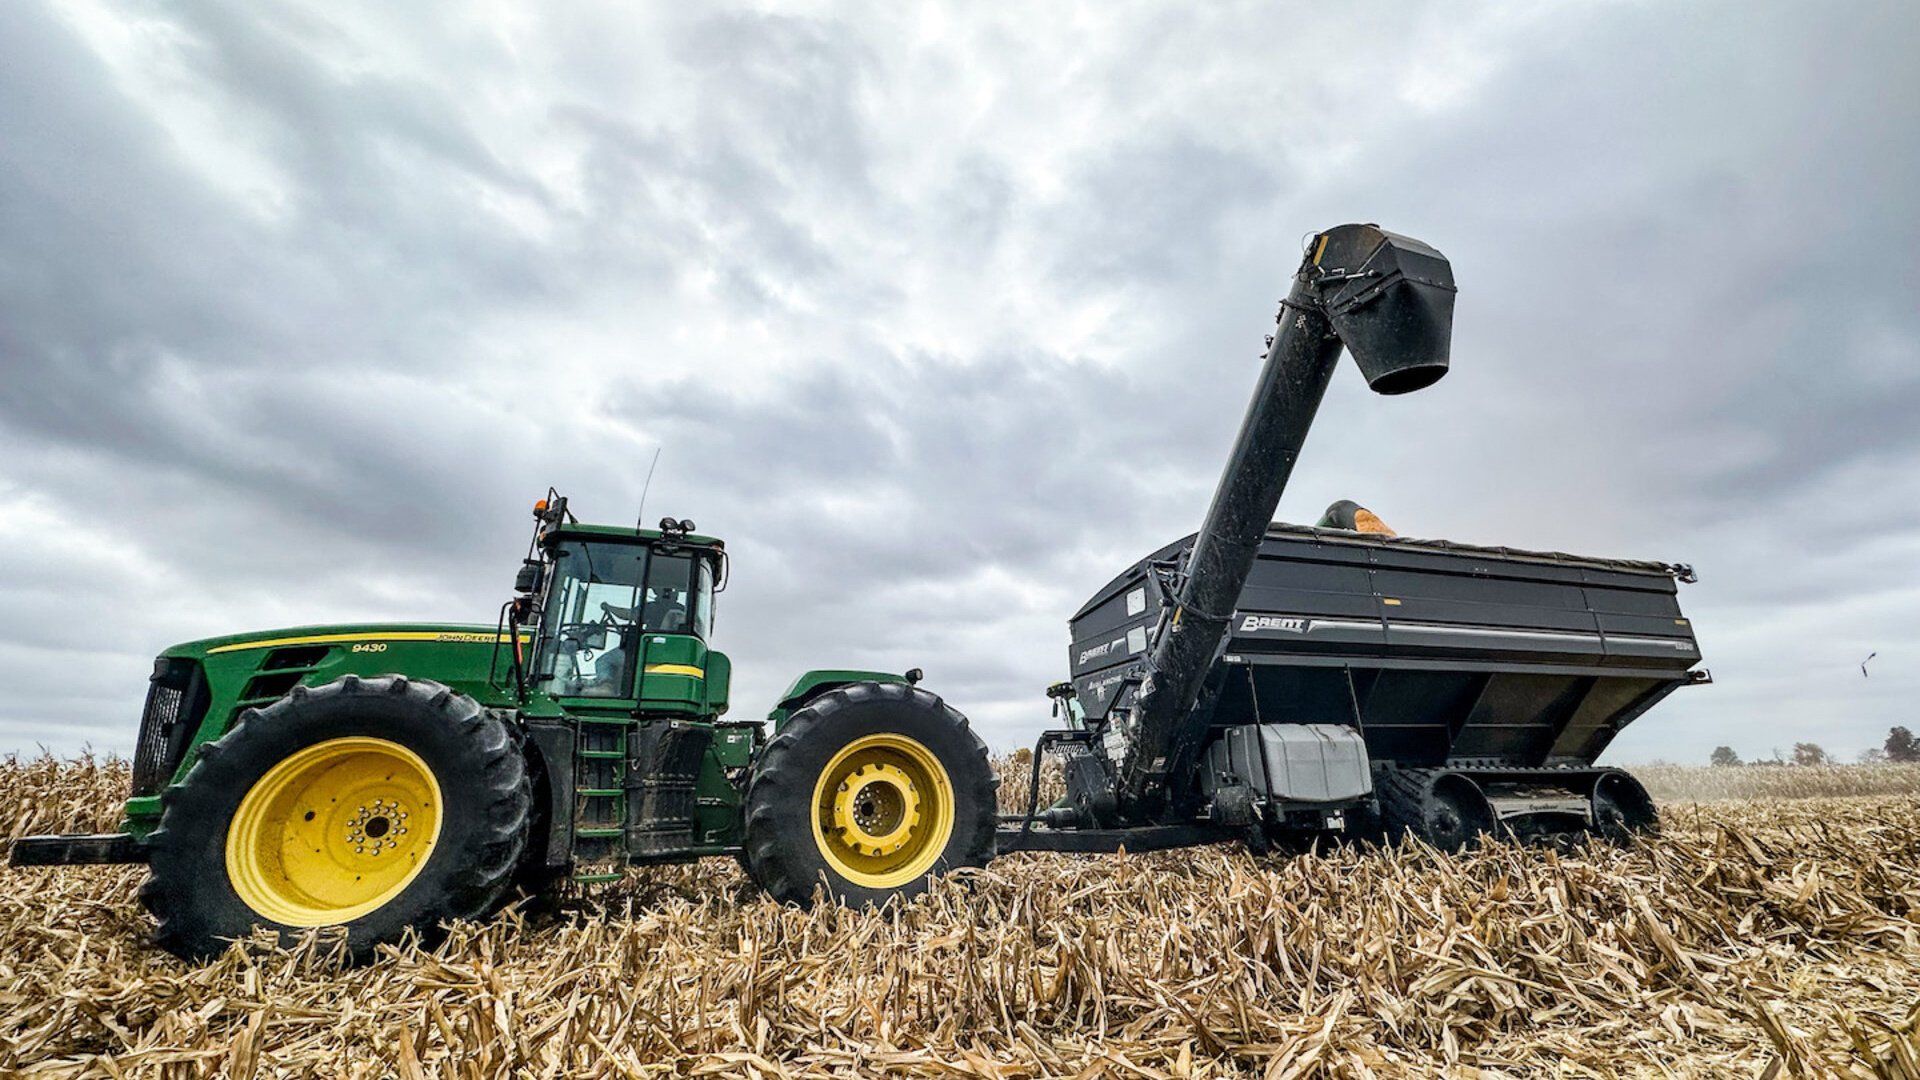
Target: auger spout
{"points": [[1388, 300]]}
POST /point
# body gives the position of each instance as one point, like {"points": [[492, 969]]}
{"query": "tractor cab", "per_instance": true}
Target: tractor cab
{"points": [[621, 617]]}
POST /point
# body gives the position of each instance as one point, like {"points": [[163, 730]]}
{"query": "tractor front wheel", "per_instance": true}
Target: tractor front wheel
{"points": [[381, 805], [869, 791]]}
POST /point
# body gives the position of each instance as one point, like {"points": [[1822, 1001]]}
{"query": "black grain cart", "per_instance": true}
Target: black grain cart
{"points": [[1255, 678]]}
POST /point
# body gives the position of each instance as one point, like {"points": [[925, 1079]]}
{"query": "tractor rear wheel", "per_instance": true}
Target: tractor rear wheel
{"points": [[381, 805], [869, 791]]}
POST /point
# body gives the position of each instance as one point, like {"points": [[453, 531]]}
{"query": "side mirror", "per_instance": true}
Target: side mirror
{"points": [[528, 580]]}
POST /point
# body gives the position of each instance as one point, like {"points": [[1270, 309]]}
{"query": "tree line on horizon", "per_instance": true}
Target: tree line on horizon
{"points": [[1900, 748]]}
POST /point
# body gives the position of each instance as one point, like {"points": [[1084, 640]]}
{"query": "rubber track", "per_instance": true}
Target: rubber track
{"points": [[1403, 795]]}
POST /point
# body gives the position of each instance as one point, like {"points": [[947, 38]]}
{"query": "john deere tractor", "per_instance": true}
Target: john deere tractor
{"points": [[392, 777]]}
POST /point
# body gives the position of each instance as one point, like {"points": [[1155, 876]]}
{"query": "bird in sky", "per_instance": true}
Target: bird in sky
{"points": [[1863, 665]]}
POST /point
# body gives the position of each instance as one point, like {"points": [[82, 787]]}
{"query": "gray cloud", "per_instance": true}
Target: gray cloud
{"points": [[941, 318]]}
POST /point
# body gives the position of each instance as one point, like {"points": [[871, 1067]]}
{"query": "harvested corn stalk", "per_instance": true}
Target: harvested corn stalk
{"points": [[1751, 935]]}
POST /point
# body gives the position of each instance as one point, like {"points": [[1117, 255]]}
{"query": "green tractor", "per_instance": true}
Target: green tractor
{"points": [[388, 778]]}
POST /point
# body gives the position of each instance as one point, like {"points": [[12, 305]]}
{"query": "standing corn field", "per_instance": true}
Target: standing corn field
{"points": [[1750, 934], [1682, 783]]}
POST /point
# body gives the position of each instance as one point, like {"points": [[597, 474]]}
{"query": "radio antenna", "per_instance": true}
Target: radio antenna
{"points": [[640, 519]]}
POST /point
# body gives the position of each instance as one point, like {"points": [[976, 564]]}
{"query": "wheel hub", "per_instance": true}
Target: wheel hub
{"points": [[333, 832], [883, 810], [1445, 819], [378, 826], [876, 809]]}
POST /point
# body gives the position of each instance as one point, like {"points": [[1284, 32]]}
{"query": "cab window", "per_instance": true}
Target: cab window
{"points": [[668, 608], [703, 599]]}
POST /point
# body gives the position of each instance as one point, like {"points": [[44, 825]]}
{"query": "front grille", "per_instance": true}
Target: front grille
{"points": [[176, 700]]}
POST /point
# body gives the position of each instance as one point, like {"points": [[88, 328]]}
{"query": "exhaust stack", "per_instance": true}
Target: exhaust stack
{"points": [[1389, 300]]}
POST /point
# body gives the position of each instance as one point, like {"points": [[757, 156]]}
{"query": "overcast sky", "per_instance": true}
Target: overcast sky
{"points": [[942, 316]]}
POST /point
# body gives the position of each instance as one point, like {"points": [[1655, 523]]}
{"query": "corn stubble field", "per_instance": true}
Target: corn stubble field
{"points": [[1774, 929]]}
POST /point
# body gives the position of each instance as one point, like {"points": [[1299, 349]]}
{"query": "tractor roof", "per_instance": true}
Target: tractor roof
{"points": [[618, 533]]}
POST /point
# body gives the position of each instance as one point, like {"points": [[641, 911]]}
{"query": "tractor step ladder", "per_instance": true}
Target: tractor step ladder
{"points": [[600, 799]]}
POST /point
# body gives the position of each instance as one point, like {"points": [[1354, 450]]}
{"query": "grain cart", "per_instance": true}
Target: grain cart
{"points": [[392, 777], [1263, 680], [1376, 685]]}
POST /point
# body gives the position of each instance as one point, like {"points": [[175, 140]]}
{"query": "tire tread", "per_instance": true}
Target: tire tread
{"points": [[477, 882], [777, 784]]}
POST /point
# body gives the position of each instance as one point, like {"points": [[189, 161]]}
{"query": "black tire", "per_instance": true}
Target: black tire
{"points": [[782, 852], [471, 754], [534, 889]]}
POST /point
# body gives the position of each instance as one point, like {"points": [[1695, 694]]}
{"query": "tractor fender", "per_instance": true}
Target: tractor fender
{"points": [[812, 684]]}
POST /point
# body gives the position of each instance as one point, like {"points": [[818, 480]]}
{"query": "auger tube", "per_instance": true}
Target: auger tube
{"points": [[1388, 299]]}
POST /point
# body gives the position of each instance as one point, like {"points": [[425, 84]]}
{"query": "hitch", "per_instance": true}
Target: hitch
{"points": [[86, 849]]}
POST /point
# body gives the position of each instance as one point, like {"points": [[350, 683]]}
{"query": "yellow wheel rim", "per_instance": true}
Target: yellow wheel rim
{"points": [[883, 811], [333, 832]]}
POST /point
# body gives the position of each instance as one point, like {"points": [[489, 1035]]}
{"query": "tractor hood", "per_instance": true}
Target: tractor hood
{"points": [[344, 635], [201, 688]]}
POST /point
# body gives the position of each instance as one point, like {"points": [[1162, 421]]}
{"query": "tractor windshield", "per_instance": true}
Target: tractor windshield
{"points": [[588, 628], [603, 595]]}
